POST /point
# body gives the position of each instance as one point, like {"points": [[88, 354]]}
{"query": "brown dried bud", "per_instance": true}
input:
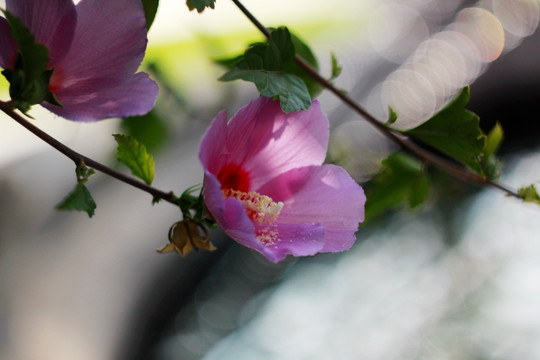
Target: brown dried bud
{"points": [[186, 235]]}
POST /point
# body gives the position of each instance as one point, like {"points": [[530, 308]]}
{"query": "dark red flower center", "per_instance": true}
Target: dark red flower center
{"points": [[233, 177], [261, 209]]}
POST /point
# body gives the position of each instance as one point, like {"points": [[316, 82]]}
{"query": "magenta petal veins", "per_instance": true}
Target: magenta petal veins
{"points": [[51, 22], [95, 47], [8, 47], [267, 188]]}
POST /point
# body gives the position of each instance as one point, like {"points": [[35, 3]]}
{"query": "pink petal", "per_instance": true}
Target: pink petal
{"points": [[135, 97], [213, 199], [109, 44], [52, 22], [230, 214], [213, 144], [297, 240], [8, 47], [320, 194], [265, 142]]}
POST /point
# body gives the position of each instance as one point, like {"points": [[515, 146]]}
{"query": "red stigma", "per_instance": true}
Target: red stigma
{"points": [[56, 81], [233, 177]]}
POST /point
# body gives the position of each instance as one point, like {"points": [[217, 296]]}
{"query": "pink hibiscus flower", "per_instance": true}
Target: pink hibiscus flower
{"points": [[265, 185], [95, 49]]}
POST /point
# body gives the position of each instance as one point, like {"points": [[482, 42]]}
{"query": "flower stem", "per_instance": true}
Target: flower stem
{"points": [[79, 159], [401, 140]]}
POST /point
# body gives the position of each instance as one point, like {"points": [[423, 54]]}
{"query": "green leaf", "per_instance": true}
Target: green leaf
{"points": [[291, 90], [150, 10], [270, 66], [494, 140], [491, 165], [261, 57], [336, 68], [303, 50], [79, 199], [149, 129], [282, 44], [229, 62], [402, 180], [83, 173], [134, 155], [456, 132], [200, 5], [529, 194], [289, 66], [392, 116]]}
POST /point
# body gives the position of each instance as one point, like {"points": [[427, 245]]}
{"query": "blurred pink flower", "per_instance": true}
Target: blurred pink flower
{"points": [[95, 48], [265, 185]]}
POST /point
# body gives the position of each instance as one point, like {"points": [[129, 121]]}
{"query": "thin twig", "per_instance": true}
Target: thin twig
{"points": [[399, 139], [79, 159]]}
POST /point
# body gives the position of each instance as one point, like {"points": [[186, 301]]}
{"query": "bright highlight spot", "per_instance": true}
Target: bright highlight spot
{"points": [[518, 17], [357, 137], [411, 94], [395, 29], [447, 61], [485, 31]]}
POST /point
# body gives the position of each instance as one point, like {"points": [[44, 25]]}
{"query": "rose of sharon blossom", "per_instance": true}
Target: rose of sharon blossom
{"points": [[265, 184], [95, 48]]}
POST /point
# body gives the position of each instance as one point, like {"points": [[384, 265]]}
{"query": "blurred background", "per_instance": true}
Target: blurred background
{"points": [[458, 278]]}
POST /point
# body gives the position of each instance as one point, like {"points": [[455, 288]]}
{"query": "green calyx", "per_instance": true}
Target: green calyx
{"points": [[25, 91], [30, 77]]}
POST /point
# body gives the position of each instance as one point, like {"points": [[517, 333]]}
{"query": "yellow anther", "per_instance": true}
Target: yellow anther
{"points": [[260, 208]]}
